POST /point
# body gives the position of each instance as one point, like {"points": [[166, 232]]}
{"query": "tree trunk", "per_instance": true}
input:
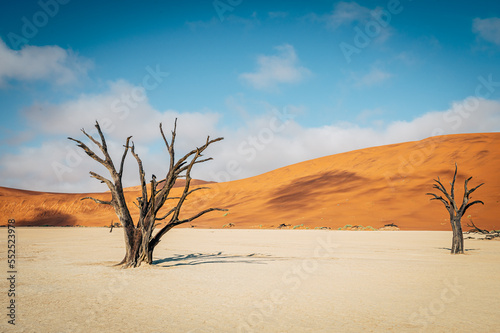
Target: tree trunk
{"points": [[457, 246], [134, 250], [138, 247]]}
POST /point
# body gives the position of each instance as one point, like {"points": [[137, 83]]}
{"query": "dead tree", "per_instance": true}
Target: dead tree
{"points": [[456, 213], [475, 228], [140, 239]]}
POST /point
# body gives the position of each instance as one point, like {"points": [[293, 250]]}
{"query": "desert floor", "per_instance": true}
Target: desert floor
{"points": [[254, 281]]}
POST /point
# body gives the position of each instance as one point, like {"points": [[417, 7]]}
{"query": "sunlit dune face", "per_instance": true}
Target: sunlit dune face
{"points": [[369, 187]]}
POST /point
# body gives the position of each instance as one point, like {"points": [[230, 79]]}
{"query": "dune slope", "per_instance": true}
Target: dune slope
{"points": [[373, 186]]}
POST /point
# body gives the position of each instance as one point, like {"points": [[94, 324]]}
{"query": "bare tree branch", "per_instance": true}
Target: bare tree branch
{"points": [[98, 201], [197, 189], [473, 203], [476, 228], [453, 183], [88, 151], [200, 214], [441, 188], [108, 182], [142, 178], [97, 143], [166, 215], [475, 188], [135, 203], [198, 150], [436, 197], [465, 202], [120, 173]]}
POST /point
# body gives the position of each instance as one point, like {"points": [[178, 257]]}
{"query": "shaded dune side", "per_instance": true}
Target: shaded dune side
{"points": [[372, 186]]}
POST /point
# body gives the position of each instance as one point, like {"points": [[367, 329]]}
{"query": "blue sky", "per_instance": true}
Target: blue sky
{"points": [[282, 81]]}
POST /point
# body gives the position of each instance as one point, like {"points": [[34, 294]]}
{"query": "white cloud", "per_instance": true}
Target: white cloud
{"points": [[374, 76], [50, 63], [263, 144], [346, 13], [123, 110], [247, 23], [351, 15], [58, 165], [276, 69], [257, 148], [407, 58], [488, 29]]}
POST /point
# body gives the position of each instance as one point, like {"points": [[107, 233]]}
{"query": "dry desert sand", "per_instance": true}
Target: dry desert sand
{"points": [[255, 281]]}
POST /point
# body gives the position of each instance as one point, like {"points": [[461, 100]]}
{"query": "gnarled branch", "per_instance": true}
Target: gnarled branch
{"points": [[440, 198], [120, 173], [200, 214], [98, 201]]}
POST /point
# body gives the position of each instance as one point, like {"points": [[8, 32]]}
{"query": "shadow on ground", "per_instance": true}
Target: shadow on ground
{"points": [[194, 259], [449, 249]]}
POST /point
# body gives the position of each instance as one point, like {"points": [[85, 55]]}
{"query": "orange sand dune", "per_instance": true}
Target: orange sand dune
{"points": [[369, 187]]}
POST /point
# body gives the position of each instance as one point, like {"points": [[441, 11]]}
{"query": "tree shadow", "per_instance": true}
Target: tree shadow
{"points": [[449, 249], [194, 259]]}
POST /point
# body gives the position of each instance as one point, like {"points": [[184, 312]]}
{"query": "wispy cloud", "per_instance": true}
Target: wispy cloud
{"points": [[276, 69], [245, 22], [488, 29], [373, 77], [345, 13], [277, 15], [48, 63], [195, 25], [353, 15]]}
